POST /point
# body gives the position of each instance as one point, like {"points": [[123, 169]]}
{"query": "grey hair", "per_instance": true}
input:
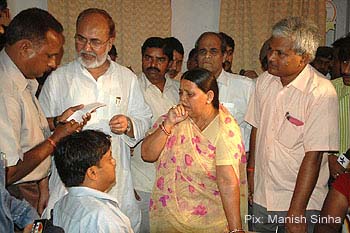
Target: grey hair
{"points": [[303, 34]]}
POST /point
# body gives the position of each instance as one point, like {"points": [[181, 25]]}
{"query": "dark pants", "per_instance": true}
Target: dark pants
{"points": [[28, 191], [265, 221]]}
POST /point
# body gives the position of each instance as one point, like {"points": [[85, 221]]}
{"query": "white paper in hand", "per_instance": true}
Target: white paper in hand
{"points": [[89, 108]]}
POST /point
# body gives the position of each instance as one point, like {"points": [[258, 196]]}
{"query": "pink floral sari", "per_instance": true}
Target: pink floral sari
{"points": [[186, 196]]}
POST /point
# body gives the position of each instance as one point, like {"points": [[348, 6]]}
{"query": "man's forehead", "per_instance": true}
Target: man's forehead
{"points": [[177, 55], [93, 22], [154, 51], [54, 40], [281, 43], [211, 41]]}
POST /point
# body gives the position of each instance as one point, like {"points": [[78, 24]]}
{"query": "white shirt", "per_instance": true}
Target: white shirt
{"points": [[23, 124], [118, 87], [144, 173], [88, 210], [281, 143], [234, 93]]}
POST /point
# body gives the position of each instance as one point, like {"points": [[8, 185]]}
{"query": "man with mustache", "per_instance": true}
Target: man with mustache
{"points": [[342, 86], [160, 93], [93, 77], [230, 48], [294, 114], [175, 65]]}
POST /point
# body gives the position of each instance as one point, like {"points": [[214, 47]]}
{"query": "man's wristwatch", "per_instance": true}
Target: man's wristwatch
{"points": [[56, 122]]}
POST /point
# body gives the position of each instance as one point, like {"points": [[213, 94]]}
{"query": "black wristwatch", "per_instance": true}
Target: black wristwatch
{"points": [[56, 122]]}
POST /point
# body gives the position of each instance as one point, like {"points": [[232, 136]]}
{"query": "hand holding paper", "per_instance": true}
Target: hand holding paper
{"points": [[89, 108]]}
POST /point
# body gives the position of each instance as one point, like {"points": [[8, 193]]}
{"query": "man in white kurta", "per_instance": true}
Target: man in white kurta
{"points": [[85, 81], [234, 90], [160, 93]]}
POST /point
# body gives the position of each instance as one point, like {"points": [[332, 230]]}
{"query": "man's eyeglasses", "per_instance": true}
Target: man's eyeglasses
{"points": [[94, 43]]}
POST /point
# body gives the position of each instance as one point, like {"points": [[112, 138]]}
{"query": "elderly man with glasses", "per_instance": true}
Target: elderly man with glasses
{"points": [[93, 77]]}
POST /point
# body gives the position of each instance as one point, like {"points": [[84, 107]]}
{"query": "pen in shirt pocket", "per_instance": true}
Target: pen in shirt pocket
{"points": [[294, 120]]}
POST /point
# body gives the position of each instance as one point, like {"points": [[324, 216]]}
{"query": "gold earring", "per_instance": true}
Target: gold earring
{"points": [[208, 101]]}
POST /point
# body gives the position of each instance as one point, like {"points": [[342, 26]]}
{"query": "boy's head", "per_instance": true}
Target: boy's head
{"points": [[85, 159]]}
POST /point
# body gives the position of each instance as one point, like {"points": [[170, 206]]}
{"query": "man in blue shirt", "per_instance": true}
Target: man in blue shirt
{"points": [[85, 165], [13, 210]]}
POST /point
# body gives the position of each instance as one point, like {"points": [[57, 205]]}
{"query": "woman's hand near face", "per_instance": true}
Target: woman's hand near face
{"points": [[176, 114]]}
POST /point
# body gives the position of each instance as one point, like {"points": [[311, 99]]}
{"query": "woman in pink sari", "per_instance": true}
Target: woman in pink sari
{"points": [[197, 148]]}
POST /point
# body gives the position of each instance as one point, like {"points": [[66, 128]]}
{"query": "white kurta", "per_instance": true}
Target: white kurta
{"points": [[234, 93], [72, 85], [143, 173]]}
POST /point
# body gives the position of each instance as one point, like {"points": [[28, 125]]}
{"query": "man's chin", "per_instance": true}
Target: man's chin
{"points": [[346, 80]]}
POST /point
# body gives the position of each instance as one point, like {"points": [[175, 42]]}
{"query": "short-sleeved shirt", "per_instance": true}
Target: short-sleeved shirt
{"points": [[22, 122], [291, 120]]}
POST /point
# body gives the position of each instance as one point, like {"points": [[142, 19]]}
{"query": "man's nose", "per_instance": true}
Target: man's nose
{"points": [[154, 63], [346, 68], [87, 46]]}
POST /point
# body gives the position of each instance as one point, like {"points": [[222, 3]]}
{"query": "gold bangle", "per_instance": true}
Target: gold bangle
{"points": [[52, 143], [162, 127]]}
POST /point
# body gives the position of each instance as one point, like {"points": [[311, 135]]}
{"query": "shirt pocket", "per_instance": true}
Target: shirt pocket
{"points": [[289, 134]]}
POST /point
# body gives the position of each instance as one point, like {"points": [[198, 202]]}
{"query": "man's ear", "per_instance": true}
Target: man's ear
{"points": [[25, 48], [110, 42], [224, 57], [305, 59], [91, 173]]}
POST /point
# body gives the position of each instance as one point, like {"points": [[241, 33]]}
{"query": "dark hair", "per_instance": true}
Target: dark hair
{"points": [[77, 152], [205, 81], [91, 11], [192, 53], [325, 52], [344, 53], [113, 51], [343, 41], [3, 5], [157, 42], [223, 42], [174, 44], [31, 24], [228, 39]]}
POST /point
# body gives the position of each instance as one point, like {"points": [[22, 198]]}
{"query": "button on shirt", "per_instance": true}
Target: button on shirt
{"points": [[88, 210], [118, 88], [144, 173], [23, 124], [234, 93], [281, 144]]}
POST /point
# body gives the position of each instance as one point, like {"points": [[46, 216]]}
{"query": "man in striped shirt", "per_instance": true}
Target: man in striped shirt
{"points": [[342, 86]]}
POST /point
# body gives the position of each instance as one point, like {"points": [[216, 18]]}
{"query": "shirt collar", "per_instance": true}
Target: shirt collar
{"points": [[147, 84], [301, 81], [81, 191], [16, 75], [223, 77]]}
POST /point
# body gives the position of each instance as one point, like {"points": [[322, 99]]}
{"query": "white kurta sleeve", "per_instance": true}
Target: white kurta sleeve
{"points": [[139, 113]]}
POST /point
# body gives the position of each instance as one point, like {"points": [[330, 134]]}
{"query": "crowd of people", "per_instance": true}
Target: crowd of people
{"points": [[206, 150]]}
